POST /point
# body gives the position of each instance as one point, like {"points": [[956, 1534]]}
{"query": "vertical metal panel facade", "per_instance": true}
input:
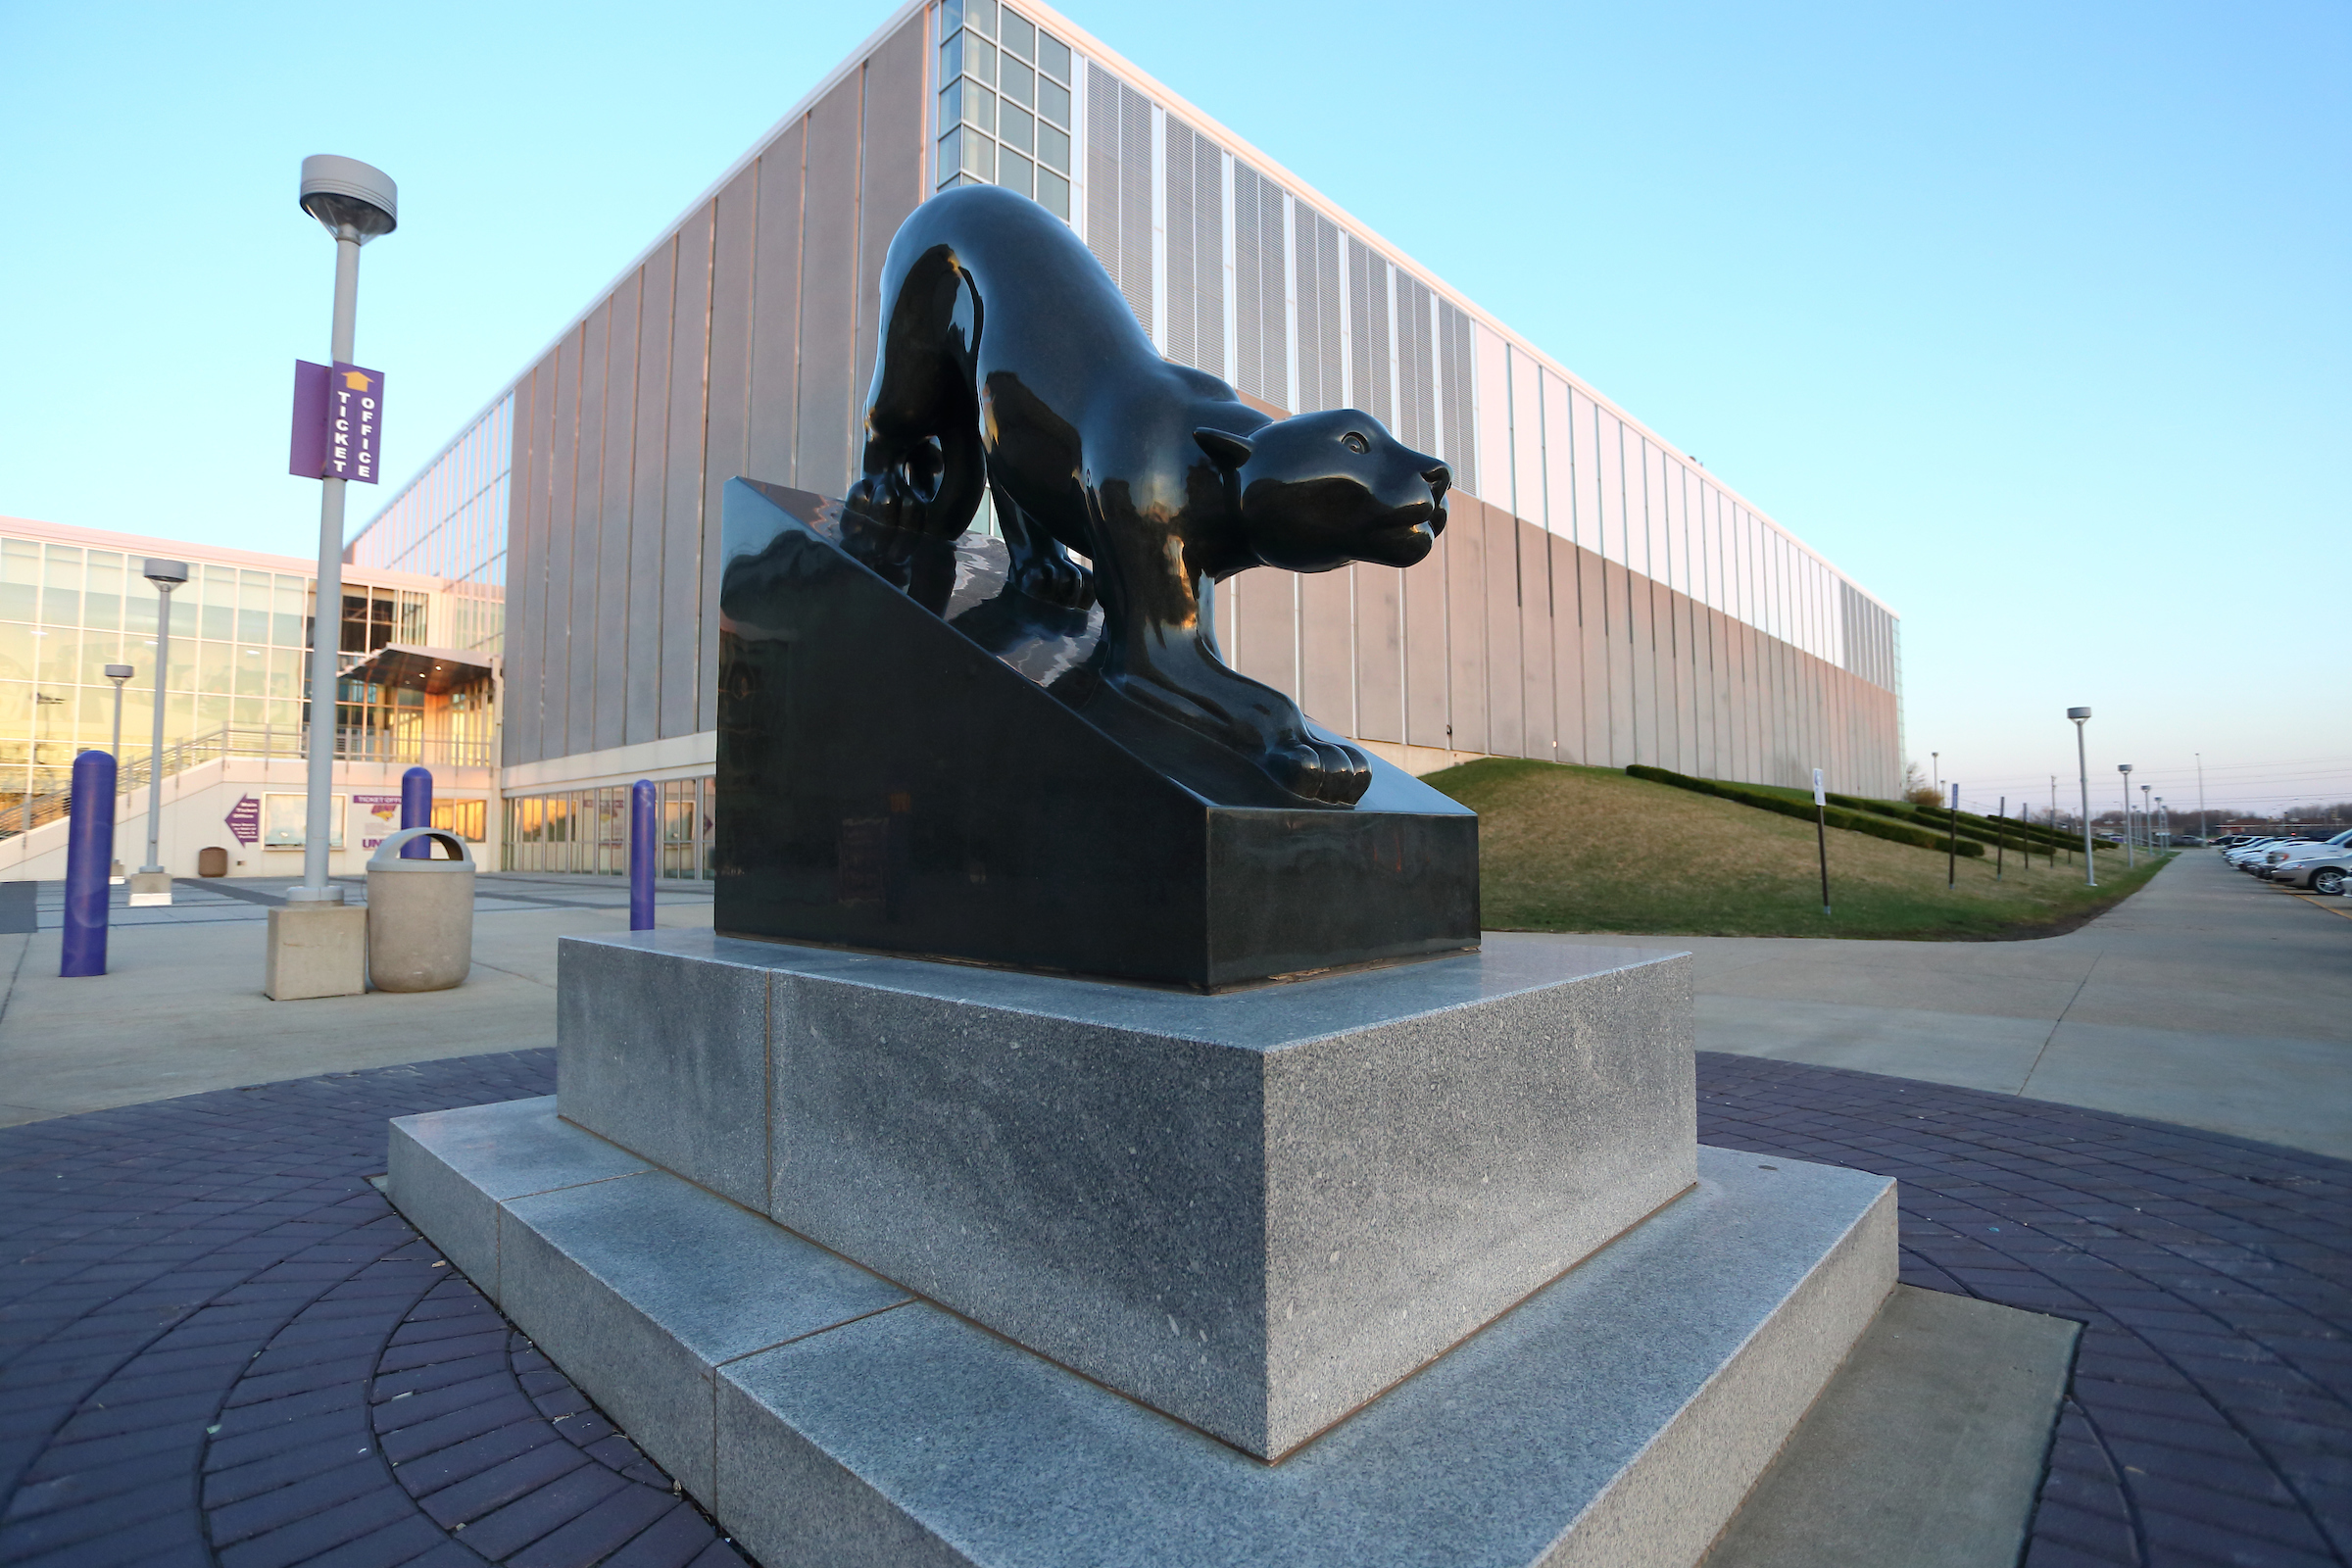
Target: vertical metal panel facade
{"points": [[829, 292], [1498, 615], [642, 634], [1262, 367], [892, 180], [680, 640], [608, 691], [1538, 614], [1265, 627], [1599, 597], [726, 424], [1321, 330], [1327, 650], [1196, 228], [588, 466], [1426, 654], [772, 422], [1379, 651], [1462, 557]]}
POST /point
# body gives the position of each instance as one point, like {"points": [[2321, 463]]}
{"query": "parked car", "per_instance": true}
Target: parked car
{"points": [[2322, 873], [2238, 854], [2278, 857]]}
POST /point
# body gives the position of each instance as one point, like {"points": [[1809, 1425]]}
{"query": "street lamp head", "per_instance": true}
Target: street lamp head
{"points": [[2077, 715], [119, 672], [165, 574], [344, 193], [2123, 767]]}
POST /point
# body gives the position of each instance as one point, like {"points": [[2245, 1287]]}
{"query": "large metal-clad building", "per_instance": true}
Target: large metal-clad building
{"points": [[1597, 598]]}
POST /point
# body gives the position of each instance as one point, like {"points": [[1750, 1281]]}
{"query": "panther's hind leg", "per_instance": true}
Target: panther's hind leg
{"points": [[924, 467], [1040, 567]]}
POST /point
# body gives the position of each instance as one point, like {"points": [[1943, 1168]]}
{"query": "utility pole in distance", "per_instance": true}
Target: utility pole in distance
{"points": [[2090, 873]]}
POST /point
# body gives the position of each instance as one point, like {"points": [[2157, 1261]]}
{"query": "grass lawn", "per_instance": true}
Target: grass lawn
{"points": [[1588, 849]]}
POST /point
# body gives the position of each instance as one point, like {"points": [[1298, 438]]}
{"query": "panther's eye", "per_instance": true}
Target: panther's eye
{"points": [[1355, 443]]}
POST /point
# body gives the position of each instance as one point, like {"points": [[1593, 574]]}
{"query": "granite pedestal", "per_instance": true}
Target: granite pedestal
{"points": [[828, 1416], [1252, 1212], [893, 1262]]}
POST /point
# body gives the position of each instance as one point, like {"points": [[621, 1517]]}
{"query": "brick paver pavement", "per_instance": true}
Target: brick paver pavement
{"points": [[219, 1345], [2210, 1417]]}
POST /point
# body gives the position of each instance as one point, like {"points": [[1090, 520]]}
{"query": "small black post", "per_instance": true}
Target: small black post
{"points": [[1821, 835], [1951, 853], [2000, 839]]}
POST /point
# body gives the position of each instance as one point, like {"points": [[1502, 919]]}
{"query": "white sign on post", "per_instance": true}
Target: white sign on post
{"points": [[1819, 799]]}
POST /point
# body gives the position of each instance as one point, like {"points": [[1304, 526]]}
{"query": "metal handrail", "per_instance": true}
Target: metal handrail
{"points": [[352, 745]]}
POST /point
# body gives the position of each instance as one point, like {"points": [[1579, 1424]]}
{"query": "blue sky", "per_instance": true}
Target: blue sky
{"points": [[2033, 320]]}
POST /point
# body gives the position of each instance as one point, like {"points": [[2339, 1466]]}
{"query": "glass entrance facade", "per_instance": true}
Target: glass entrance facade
{"points": [[587, 830]]}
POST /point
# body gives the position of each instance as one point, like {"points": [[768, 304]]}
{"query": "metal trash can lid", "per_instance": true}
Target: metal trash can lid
{"points": [[387, 853]]}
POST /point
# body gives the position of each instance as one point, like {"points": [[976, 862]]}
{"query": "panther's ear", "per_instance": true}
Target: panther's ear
{"points": [[1227, 452]]}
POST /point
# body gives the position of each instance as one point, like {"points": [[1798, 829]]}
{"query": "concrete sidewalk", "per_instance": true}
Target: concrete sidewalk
{"points": [[2207, 998], [180, 1009]]}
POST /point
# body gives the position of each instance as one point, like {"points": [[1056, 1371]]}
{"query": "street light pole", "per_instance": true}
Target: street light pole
{"points": [[2124, 769], [2204, 828], [119, 674], [2091, 874], [2148, 819], [355, 203], [153, 885]]}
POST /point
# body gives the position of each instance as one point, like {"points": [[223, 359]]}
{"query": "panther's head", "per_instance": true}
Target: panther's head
{"points": [[1320, 490]]}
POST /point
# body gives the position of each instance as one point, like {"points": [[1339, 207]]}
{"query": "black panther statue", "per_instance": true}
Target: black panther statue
{"points": [[1009, 362]]}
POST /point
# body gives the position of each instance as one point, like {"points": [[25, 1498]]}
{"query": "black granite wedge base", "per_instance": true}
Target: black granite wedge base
{"points": [[947, 779], [828, 1417]]}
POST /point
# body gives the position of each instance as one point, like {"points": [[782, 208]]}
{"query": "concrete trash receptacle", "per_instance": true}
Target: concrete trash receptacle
{"points": [[211, 861], [419, 916]]}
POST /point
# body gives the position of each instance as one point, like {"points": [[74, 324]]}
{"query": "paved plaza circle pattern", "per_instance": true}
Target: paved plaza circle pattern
{"points": [[219, 1344]]}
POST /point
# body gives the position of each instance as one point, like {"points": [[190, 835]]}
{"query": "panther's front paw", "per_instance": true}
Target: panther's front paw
{"points": [[1323, 770], [879, 499], [1056, 580]]}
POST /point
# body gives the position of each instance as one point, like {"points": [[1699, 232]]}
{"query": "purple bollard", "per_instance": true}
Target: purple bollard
{"points": [[416, 811], [89, 857], [644, 846]]}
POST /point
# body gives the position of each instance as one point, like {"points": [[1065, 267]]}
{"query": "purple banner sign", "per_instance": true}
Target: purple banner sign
{"points": [[305, 457], [244, 819], [355, 417]]}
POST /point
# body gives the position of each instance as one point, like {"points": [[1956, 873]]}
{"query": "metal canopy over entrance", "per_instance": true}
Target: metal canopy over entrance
{"points": [[435, 671]]}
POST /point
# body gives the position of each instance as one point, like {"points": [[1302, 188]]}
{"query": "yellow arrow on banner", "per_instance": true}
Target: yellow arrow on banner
{"points": [[355, 380]]}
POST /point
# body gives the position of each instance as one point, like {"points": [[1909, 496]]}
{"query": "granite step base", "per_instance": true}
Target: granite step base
{"points": [[826, 1416]]}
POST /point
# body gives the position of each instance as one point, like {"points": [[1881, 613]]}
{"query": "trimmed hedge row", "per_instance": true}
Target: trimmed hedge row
{"points": [[1838, 817], [1988, 829]]}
